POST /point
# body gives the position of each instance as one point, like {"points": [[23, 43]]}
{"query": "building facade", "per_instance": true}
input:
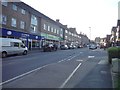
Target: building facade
{"points": [[21, 21]]}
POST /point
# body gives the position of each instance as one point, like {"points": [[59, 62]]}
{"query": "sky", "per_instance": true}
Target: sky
{"points": [[100, 15]]}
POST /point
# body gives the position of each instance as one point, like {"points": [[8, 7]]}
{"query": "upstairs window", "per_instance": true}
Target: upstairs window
{"points": [[57, 31], [48, 28], [14, 7], [51, 29], [22, 11], [13, 22], [22, 24], [3, 19], [4, 3], [45, 27]]}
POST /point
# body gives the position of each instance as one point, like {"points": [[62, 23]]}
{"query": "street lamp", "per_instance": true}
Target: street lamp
{"points": [[90, 32]]}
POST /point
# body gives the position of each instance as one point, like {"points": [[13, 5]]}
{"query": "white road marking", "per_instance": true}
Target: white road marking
{"points": [[65, 82], [19, 76], [91, 56], [24, 74], [103, 62], [79, 60]]}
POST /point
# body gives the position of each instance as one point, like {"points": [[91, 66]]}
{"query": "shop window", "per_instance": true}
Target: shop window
{"points": [[13, 22]]}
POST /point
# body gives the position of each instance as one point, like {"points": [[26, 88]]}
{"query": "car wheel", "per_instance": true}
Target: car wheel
{"points": [[4, 54], [25, 52]]}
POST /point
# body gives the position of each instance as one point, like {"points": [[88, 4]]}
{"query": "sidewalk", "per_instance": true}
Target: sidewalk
{"points": [[115, 72]]}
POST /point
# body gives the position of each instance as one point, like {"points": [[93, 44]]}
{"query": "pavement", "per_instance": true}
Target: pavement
{"points": [[115, 71]]}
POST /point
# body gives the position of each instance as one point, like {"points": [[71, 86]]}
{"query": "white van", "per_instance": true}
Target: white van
{"points": [[10, 46]]}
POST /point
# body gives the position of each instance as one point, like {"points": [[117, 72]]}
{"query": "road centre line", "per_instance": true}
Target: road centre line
{"points": [[65, 82]]}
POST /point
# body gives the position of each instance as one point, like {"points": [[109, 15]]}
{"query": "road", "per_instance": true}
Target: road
{"points": [[75, 68]]}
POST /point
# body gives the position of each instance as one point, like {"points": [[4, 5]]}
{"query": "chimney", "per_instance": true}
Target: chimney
{"points": [[57, 20]]}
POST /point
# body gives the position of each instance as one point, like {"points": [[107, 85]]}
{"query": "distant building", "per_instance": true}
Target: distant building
{"points": [[113, 35], [97, 40], [118, 32]]}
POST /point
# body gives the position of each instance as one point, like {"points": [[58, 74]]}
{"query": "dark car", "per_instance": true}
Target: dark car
{"points": [[48, 47], [92, 46]]}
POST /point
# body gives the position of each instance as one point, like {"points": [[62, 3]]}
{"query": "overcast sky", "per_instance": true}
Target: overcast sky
{"points": [[100, 15]]}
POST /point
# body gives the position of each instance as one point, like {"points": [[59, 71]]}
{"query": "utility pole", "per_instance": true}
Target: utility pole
{"points": [[90, 32]]}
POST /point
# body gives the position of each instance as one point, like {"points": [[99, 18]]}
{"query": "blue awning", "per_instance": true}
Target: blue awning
{"points": [[8, 32]]}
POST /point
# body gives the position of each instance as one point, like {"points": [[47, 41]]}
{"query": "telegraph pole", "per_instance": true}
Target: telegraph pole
{"points": [[90, 32]]}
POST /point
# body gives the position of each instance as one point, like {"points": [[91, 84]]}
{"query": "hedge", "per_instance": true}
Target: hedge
{"points": [[113, 52]]}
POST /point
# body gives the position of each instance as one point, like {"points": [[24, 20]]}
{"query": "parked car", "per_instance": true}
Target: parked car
{"points": [[92, 46], [63, 47], [48, 47], [70, 46], [12, 46]]}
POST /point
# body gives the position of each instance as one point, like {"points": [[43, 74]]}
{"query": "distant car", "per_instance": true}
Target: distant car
{"points": [[70, 47], [48, 47], [63, 47], [74, 47], [92, 46]]}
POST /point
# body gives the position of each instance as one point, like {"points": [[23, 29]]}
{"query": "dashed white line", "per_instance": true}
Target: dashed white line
{"points": [[91, 56], [65, 82], [79, 60]]}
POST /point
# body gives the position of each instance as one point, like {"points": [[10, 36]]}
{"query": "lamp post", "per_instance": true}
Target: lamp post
{"points": [[90, 32]]}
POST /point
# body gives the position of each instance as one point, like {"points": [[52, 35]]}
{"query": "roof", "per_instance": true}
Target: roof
{"points": [[114, 29]]}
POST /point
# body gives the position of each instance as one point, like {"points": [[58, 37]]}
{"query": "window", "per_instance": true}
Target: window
{"points": [[16, 44], [33, 20], [66, 31], [55, 30], [14, 7], [22, 24], [0, 18], [22, 11], [4, 19], [33, 28], [4, 3], [13, 22], [48, 28], [45, 27], [51, 29]]}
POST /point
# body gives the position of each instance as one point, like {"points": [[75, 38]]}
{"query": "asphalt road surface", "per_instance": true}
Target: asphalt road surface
{"points": [[74, 68]]}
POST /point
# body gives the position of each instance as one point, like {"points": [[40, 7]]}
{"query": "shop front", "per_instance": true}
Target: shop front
{"points": [[31, 41], [51, 39]]}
